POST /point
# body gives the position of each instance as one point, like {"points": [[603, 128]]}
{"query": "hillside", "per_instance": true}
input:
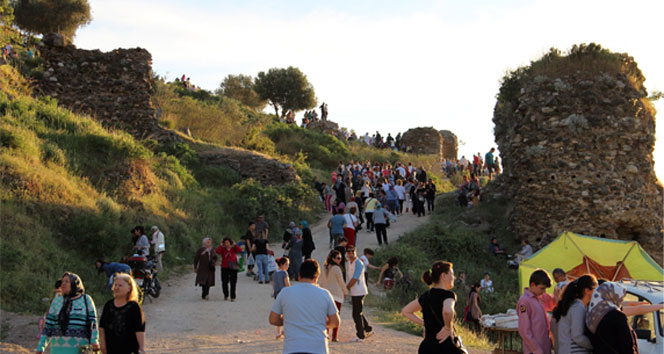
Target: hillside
{"points": [[72, 191]]}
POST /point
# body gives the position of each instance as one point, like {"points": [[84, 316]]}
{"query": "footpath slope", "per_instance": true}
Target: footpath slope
{"points": [[180, 322]]}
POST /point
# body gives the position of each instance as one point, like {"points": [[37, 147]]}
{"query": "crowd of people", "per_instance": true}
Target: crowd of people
{"points": [[374, 194]]}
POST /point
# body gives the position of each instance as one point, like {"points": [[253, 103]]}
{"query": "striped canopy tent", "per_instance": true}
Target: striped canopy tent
{"points": [[605, 258]]}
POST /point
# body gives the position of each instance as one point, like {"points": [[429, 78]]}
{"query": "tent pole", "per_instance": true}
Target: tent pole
{"points": [[622, 262]]}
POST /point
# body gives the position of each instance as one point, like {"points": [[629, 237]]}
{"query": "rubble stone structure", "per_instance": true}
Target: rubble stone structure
{"points": [[423, 141], [578, 155], [450, 145], [115, 88]]}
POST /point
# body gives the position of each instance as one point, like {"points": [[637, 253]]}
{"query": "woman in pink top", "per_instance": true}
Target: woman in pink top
{"points": [[229, 266]]}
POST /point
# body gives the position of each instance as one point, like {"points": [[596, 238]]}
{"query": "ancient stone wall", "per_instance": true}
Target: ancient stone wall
{"points": [[577, 155], [114, 88], [450, 145], [423, 141]]}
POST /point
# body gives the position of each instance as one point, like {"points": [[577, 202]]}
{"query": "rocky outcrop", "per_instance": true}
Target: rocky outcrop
{"points": [[423, 141], [450, 145], [250, 164], [577, 155], [246, 163], [114, 88]]}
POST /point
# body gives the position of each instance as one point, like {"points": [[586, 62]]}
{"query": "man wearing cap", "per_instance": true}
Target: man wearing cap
{"points": [[358, 291], [159, 246]]}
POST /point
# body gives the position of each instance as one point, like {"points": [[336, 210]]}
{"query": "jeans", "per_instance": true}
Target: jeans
{"points": [[261, 261], [381, 229], [228, 275], [370, 223], [361, 323]]}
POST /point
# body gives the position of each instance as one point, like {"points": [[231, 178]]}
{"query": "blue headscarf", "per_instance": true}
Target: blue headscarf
{"points": [[304, 224]]}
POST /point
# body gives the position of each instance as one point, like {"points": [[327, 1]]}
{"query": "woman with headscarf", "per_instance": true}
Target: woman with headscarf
{"points": [[294, 248], [608, 325], [71, 323], [308, 245], [205, 260]]}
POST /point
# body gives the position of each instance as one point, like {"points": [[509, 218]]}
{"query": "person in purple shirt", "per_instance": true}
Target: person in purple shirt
{"points": [[531, 309]]}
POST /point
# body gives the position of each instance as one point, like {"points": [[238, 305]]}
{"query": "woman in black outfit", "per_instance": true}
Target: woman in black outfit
{"points": [[437, 307], [608, 325], [122, 323]]}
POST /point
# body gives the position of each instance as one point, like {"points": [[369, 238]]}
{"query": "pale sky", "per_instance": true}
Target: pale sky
{"points": [[382, 65]]}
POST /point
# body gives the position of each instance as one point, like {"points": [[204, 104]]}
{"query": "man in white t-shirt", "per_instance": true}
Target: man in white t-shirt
{"points": [[306, 311], [357, 288], [350, 226]]}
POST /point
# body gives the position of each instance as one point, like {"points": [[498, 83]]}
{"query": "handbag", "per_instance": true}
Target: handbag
{"points": [[233, 265], [88, 348], [457, 344]]}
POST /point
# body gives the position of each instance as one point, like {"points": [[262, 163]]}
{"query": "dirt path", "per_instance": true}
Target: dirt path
{"points": [[180, 322]]}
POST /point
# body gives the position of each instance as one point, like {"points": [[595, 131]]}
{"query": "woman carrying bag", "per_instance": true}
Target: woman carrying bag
{"points": [[71, 323], [229, 266]]}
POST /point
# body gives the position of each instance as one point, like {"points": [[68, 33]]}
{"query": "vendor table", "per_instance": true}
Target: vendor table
{"points": [[502, 334]]}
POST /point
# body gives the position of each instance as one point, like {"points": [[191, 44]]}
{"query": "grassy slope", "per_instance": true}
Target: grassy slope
{"points": [[460, 236], [72, 190]]}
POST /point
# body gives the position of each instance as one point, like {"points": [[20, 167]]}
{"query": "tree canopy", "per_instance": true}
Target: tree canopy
{"points": [[6, 13], [241, 88], [286, 89], [44, 16]]}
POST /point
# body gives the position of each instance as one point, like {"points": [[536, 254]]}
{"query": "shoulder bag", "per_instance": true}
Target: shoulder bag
{"points": [[88, 348], [457, 344]]}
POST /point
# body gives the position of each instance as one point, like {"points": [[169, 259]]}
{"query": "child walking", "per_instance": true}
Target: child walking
{"points": [[280, 281]]}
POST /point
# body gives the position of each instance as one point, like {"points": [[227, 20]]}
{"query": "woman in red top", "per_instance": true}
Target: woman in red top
{"points": [[229, 266]]}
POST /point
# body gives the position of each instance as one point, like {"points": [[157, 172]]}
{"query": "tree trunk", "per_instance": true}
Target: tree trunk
{"points": [[276, 109]]}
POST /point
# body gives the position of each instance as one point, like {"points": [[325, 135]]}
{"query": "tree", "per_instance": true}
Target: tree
{"points": [[285, 89], [241, 88], [44, 16], [6, 13]]}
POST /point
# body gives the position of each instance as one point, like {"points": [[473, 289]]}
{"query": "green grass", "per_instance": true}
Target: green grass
{"points": [[461, 236], [72, 190]]}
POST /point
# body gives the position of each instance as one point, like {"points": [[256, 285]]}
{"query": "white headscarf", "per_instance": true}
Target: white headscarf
{"points": [[207, 249], [606, 297]]}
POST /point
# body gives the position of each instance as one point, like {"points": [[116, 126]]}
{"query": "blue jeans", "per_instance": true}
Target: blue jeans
{"points": [[261, 261]]}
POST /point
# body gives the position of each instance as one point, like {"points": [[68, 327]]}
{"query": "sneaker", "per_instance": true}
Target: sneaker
{"points": [[368, 334], [232, 300], [356, 340], [334, 340], [225, 298], [260, 282]]}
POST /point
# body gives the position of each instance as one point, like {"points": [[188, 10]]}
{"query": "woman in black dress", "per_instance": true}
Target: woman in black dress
{"points": [[437, 306], [122, 323]]}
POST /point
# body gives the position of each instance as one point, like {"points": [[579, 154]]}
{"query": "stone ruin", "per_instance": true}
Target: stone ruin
{"points": [[578, 156], [423, 141], [115, 88], [450, 145]]}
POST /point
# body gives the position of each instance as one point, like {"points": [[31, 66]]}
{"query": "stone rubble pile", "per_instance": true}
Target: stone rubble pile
{"points": [[577, 153]]}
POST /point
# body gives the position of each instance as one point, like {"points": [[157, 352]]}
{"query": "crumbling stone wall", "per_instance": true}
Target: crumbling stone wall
{"points": [[450, 145], [423, 141], [577, 155], [114, 88]]}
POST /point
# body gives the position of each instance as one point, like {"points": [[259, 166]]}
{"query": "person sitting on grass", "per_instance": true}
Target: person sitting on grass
{"points": [[494, 247]]}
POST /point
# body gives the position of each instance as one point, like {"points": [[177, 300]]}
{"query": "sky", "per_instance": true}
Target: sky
{"points": [[382, 65]]}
